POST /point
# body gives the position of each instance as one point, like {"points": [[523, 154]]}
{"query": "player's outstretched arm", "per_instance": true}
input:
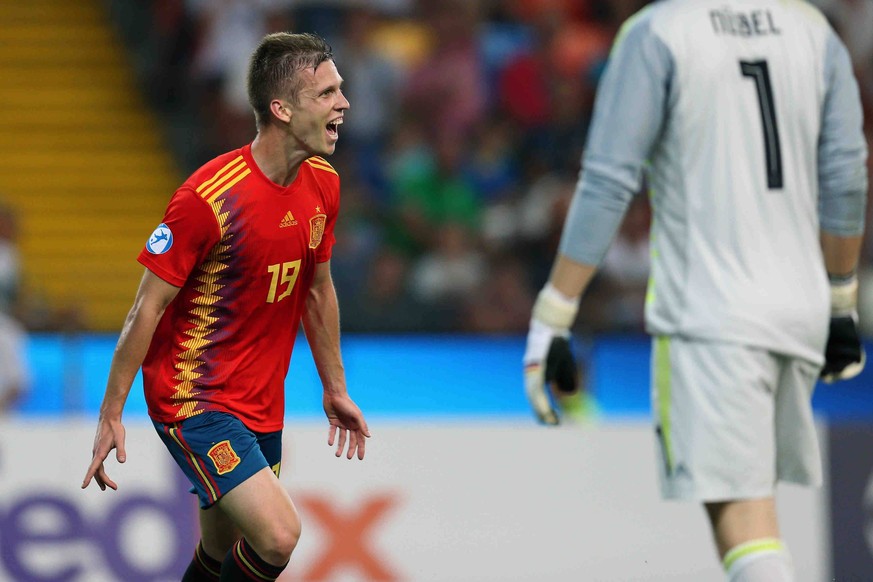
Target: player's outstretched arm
{"points": [[152, 298], [321, 324]]}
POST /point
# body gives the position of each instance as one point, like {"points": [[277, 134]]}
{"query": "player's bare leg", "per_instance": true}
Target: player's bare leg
{"points": [[217, 532], [217, 535], [737, 522], [747, 538], [270, 525]]}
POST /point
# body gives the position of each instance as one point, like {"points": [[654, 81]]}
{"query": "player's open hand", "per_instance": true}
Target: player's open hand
{"points": [[347, 421], [110, 435]]}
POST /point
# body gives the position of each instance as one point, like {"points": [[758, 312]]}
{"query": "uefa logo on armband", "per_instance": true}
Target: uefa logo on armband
{"points": [[160, 241]]}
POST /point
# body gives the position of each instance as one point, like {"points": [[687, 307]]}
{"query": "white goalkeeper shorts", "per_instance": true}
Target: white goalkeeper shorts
{"points": [[731, 420]]}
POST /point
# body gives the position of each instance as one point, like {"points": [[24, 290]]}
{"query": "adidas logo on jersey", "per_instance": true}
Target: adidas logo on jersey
{"points": [[288, 220]]}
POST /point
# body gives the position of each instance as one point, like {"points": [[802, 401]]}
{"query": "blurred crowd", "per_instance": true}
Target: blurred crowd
{"points": [[14, 375], [458, 156], [460, 152]]}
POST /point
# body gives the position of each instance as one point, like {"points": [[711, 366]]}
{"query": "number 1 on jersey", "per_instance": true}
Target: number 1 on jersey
{"points": [[758, 72]]}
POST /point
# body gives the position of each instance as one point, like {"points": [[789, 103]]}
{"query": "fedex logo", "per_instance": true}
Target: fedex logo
{"points": [[48, 536], [45, 536], [348, 547]]}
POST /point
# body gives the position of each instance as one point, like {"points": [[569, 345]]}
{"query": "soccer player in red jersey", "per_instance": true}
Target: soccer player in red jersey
{"points": [[241, 257]]}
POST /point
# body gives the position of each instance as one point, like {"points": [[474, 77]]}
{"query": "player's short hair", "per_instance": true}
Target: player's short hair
{"points": [[274, 65]]}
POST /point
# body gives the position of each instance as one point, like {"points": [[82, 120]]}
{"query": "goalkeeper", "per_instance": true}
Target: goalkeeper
{"points": [[752, 143]]}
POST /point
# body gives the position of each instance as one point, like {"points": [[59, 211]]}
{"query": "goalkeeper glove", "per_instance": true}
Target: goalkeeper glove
{"points": [[844, 354], [548, 359]]}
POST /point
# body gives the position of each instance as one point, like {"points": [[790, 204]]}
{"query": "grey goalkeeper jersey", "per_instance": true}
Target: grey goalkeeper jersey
{"points": [[746, 119]]}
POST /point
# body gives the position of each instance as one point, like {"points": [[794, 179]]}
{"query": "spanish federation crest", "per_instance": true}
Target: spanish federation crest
{"points": [[316, 229], [224, 457]]}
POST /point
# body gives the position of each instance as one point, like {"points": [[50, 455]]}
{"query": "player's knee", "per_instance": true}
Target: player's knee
{"points": [[281, 541], [280, 547], [292, 534]]}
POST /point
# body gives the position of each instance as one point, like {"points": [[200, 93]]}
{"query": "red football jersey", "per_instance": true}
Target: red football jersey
{"points": [[243, 250]]}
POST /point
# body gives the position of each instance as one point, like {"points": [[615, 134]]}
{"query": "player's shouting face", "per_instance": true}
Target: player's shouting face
{"points": [[318, 111]]}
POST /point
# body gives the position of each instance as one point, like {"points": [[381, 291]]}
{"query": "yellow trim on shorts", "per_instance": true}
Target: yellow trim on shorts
{"points": [[662, 388], [759, 546], [203, 477]]}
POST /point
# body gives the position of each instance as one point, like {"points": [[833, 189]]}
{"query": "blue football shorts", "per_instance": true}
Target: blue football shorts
{"points": [[217, 452]]}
